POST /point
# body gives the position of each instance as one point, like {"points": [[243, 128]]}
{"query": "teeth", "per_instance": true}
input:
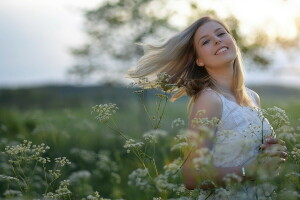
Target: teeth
{"points": [[221, 50]]}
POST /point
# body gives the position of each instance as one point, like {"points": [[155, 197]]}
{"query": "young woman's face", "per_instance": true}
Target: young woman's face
{"points": [[215, 47]]}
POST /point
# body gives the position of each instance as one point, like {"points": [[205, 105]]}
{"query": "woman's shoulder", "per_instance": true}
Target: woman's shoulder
{"points": [[254, 95], [210, 101]]}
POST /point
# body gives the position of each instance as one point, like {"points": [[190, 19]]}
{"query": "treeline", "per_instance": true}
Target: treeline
{"points": [[45, 97]]}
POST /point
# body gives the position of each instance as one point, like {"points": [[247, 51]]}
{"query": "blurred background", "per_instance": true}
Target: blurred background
{"points": [[60, 57]]}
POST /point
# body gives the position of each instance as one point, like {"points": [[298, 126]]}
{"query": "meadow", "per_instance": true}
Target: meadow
{"points": [[91, 156]]}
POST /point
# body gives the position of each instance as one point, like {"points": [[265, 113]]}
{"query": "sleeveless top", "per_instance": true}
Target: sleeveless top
{"points": [[240, 133], [237, 139]]}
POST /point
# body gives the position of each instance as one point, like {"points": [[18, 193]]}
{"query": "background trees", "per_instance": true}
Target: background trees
{"points": [[115, 27]]}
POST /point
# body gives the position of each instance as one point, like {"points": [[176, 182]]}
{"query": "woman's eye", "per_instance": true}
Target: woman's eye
{"points": [[221, 34], [205, 42]]}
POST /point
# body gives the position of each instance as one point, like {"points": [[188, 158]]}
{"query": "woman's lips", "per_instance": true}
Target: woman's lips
{"points": [[221, 50]]}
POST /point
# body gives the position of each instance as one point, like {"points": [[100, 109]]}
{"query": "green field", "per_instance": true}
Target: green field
{"points": [[98, 160]]}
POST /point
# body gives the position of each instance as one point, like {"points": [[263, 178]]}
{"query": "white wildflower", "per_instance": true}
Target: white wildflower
{"points": [[295, 154], [61, 192], [287, 133], [12, 193], [152, 135], [203, 158], [131, 143], [179, 146], [79, 176], [277, 116], [8, 178], [105, 163], [177, 123], [104, 111], [62, 161], [232, 178], [187, 138], [139, 178]]}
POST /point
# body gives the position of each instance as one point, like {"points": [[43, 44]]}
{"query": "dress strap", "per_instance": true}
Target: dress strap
{"points": [[252, 97]]}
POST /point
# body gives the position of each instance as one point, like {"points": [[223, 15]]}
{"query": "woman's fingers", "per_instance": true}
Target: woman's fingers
{"points": [[271, 140], [281, 154], [273, 147]]}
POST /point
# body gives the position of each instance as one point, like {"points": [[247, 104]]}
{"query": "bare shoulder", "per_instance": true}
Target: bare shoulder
{"points": [[255, 95], [209, 101]]}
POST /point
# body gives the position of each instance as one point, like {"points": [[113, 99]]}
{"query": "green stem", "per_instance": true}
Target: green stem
{"points": [[145, 108], [13, 168], [262, 131], [136, 151], [25, 178], [45, 175], [160, 118], [34, 169], [118, 131]]}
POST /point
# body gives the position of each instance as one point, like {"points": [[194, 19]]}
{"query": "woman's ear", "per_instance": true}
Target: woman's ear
{"points": [[199, 62]]}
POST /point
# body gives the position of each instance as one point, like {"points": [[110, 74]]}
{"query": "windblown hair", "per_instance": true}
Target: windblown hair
{"points": [[177, 57]]}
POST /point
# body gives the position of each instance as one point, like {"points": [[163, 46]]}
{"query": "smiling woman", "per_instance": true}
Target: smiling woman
{"points": [[204, 62]]}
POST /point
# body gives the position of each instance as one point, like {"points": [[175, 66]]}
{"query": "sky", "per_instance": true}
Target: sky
{"points": [[36, 35]]}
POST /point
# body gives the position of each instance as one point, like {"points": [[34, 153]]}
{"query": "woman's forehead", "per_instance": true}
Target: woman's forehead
{"points": [[207, 29]]}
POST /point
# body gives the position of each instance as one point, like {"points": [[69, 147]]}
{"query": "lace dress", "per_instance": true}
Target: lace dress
{"points": [[237, 140]]}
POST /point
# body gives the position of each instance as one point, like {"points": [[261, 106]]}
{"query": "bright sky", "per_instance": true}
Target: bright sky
{"points": [[36, 34]]}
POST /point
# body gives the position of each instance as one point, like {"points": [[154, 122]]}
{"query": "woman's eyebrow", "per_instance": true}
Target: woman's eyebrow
{"points": [[207, 35]]}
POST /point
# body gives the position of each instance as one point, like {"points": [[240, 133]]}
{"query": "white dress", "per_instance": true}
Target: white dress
{"points": [[237, 140]]}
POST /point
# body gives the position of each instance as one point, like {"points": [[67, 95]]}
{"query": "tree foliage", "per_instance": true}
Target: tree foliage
{"points": [[116, 26]]}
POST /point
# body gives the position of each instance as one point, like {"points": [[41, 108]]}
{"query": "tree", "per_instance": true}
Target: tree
{"points": [[115, 26]]}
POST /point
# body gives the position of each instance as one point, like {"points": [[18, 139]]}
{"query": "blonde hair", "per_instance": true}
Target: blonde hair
{"points": [[177, 56]]}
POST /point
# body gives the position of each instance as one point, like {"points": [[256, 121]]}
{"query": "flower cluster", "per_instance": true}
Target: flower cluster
{"points": [[78, 176], [55, 173], [96, 196], [61, 192], [177, 123], [139, 178], [167, 180], [182, 140], [26, 152], [62, 161], [203, 158], [295, 154], [163, 81], [131, 144], [9, 178], [287, 133], [200, 121], [232, 178], [12, 193], [104, 112], [277, 116], [153, 135]]}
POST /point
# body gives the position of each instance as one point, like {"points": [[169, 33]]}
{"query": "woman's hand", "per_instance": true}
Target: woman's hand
{"points": [[274, 153], [274, 148]]}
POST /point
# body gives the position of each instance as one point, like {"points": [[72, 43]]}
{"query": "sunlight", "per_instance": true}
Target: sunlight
{"points": [[275, 17]]}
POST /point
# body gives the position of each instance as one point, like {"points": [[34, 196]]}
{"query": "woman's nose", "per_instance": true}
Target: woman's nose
{"points": [[217, 41]]}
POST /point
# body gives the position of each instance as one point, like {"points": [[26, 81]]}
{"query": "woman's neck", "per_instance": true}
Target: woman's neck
{"points": [[222, 78]]}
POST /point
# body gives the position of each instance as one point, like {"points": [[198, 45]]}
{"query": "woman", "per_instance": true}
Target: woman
{"points": [[204, 62]]}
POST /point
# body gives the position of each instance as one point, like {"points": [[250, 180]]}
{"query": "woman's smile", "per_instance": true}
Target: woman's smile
{"points": [[222, 50]]}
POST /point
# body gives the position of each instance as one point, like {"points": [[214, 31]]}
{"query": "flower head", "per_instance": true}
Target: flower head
{"points": [[104, 111]]}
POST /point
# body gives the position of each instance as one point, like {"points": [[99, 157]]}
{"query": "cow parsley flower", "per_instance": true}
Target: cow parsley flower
{"points": [[177, 123], [104, 112], [139, 178], [153, 135], [131, 143]]}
